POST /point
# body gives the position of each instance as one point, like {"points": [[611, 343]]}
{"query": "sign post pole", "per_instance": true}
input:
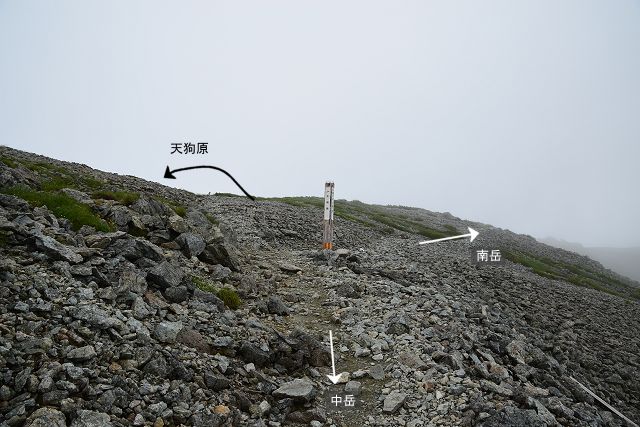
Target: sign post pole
{"points": [[327, 238]]}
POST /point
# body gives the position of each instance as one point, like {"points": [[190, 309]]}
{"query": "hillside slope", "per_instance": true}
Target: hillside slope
{"points": [[127, 302]]}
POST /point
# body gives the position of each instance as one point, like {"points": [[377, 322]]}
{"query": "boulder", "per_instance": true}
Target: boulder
{"points": [[55, 249], [91, 419], [300, 390], [191, 244], [165, 275], [46, 417], [393, 402]]}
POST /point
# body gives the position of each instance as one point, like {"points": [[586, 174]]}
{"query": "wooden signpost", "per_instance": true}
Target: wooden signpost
{"points": [[327, 238]]}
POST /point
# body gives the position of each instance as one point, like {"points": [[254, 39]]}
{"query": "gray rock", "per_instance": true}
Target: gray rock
{"points": [[353, 387], [177, 224], [218, 251], [209, 298], [377, 372], [46, 417], [300, 390], [276, 306], [78, 196], [393, 402], [165, 275], [176, 294], [134, 249], [516, 349], [82, 354], [167, 332], [91, 419], [55, 249], [191, 244], [140, 309], [411, 359], [132, 281], [511, 416], [98, 318], [216, 382], [250, 353], [289, 268]]}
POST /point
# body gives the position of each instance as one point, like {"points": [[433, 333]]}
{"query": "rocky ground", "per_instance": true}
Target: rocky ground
{"points": [[128, 327]]}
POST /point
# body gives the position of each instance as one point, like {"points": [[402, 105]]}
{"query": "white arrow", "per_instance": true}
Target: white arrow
{"points": [[472, 233], [334, 378]]}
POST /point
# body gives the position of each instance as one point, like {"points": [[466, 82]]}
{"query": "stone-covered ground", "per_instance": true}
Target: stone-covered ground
{"points": [[127, 326]]}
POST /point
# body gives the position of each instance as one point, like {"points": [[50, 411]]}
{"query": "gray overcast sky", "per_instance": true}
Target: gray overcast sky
{"points": [[524, 115]]}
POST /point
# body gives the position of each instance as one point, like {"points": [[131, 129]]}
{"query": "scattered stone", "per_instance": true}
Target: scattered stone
{"points": [[393, 402], [300, 390]]}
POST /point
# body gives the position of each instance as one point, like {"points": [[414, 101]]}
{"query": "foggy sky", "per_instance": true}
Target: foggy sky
{"points": [[524, 115]]}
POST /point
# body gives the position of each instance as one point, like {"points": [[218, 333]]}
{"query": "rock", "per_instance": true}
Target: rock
{"points": [[97, 317], [346, 290], [91, 419], [216, 382], [353, 387], [167, 332], [176, 294], [393, 402], [300, 390], [177, 224], [132, 281], [55, 249], [250, 353], [194, 339], [222, 410], [411, 359], [289, 268], [397, 328], [191, 244], [209, 298], [221, 252], [511, 416], [46, 417], [140, 308], [377, 372], [276, 306], [516, 350], [135, 249], [165, 275], [82, 354]]}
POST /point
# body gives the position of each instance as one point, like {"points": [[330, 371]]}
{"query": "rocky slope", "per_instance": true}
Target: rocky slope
{"points": [[139, 323]]}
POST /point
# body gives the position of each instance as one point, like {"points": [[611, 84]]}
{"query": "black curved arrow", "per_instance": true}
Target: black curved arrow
{"points": [[168, 173]]}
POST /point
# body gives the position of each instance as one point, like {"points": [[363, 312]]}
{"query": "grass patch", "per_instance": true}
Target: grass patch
{"points": [[175, 206], [62, 206], [228, 295], [8, 162], [203, 285], [578, 276], [125, 197], [211, 219], [370, 216]]}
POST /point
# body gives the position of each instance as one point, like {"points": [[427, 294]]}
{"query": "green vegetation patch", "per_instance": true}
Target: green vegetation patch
{"points": [[203, 285], [125, 197], [370, 216], [228, 295], [178, 208], [579, 276], [8, 162], [62, 206], [212, 219]]}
